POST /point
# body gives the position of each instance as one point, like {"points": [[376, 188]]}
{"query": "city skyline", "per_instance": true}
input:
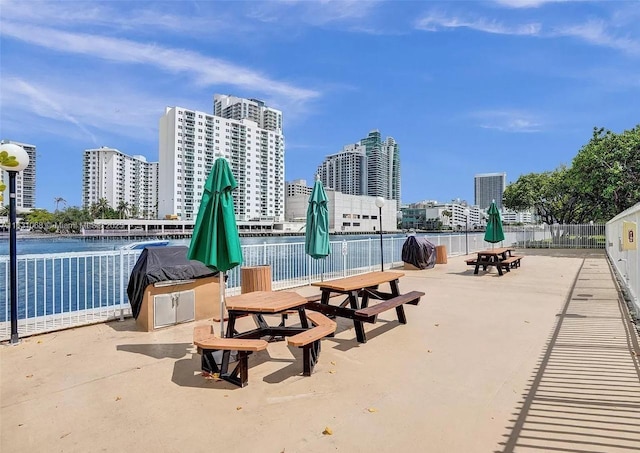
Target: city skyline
{"points": [[509, 86]]}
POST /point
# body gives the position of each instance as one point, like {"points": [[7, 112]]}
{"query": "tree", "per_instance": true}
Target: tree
{"points": [[551, 194], [58, 200], [123, 209], [39, 217], [3, 187], [101, 208], [607, 172]]}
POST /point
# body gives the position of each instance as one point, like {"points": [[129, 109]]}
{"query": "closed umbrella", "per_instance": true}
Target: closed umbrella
{"points": [[316, 238], [494, 231], [215, 241]]}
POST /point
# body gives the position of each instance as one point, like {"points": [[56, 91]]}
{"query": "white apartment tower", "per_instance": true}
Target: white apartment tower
{"points": [[25, 180], [246, 133], [489, 187], [346, 171], [110, 174], [369, 167]]}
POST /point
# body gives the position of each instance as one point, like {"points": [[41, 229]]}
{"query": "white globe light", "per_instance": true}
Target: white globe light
{"points": [[13, 157], [379, 202]]}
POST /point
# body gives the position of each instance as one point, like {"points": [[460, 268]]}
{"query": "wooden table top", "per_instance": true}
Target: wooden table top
{"points": [[265, 301], [496, 251], [359, 281]]}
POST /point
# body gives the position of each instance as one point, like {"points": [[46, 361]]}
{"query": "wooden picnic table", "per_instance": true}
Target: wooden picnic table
{"points": [[260, 303], [359, 291], [499, 257]]}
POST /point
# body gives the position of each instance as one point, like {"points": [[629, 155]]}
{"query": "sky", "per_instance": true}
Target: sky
{"points": [[512, 86]]}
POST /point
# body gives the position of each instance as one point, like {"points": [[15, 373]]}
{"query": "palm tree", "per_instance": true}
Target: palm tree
{"points": [[58, 200], [100, 208], [123, 209]]}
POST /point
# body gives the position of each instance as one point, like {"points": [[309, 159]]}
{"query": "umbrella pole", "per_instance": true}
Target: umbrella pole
{"points": [[222, 305]]}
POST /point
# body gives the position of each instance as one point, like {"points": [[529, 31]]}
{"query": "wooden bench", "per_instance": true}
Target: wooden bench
{"points": [[309, 340], [370, 314], [511, 263], [472, 261], [208, 343]]}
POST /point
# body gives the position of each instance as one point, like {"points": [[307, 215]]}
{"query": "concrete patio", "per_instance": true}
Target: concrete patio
{"points": [[541, 359]]}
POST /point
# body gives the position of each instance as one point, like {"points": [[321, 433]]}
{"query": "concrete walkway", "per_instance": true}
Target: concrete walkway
{"points": [[542, 359]]}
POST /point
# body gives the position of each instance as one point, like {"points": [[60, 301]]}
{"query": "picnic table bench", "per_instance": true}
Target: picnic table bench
{"points": [[500, 258], [359, 291]]}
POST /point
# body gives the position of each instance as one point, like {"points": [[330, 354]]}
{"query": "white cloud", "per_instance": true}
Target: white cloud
{"points": [[435, 22], [525, 3], [597, 32], [204, 69], [317, 13], [507, 121]]}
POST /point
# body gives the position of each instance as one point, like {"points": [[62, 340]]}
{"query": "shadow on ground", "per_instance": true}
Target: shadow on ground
{"points": [[584, 395]]}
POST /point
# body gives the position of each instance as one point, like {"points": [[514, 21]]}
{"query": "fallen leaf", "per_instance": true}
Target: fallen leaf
{"points": [[211, 376], [429, 350], [436, 325], [333, 363], [372, 409], [69, 355], [64, 435], [527, 322], [327, 431], [20, 424], [29, 375], [239, 408], [39, 341], [332, 371], [226, 396], [118, 398]]}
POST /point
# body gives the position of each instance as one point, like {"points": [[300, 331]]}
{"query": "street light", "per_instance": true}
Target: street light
{"points": [[380, 204], [466, 230], [13, 159]]}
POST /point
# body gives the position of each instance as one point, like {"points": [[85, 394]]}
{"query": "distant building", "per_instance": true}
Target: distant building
{"points": [[119, 178], [347, 213], [245, 132], [369, 167], [25, 180], [517, 217], [489, 187], [298, 187], [432, 215]]}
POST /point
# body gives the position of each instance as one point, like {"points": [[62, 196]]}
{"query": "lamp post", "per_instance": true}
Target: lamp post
{"points": [[13, 159], [380, 204], [466, 230]]}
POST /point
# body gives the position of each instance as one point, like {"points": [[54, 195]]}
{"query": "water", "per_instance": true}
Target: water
{"points": [[31, 246]]}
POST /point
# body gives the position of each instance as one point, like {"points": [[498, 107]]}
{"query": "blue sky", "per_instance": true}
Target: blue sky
{"points": [[463, 87]]}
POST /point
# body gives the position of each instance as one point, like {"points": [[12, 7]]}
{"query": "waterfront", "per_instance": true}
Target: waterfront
{"points": [[27, 245]]}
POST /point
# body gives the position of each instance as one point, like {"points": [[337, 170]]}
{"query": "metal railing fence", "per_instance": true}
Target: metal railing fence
{"points": [[57, 291], [624, 257]]}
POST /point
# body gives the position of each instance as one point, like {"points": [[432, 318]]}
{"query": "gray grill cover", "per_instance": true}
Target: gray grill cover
{"points": [[419, 252]]}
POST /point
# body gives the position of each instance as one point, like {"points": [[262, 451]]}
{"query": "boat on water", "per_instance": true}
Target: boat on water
{"points": [[144, 244]]}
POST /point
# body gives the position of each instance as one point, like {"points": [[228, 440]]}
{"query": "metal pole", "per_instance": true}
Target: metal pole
{"points": [[466, 236], [381, 249], [13, 263]]}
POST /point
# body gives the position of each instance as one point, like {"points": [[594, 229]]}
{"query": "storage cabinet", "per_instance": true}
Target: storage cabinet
{"points": [[174, 308], [169, 303]]}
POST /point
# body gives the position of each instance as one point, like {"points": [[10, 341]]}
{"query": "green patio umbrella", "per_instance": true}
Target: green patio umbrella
{"points": [[316, 237], [215, 241], [494, 231]]}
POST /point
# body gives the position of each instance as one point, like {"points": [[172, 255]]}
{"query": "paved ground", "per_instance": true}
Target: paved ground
{"points": [[542, 359]]}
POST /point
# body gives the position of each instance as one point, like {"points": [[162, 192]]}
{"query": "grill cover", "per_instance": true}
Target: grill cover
{"points": [[419, 252], [159, 264]]}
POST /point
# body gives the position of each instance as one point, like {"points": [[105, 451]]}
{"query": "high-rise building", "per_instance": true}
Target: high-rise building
{"points": [[369, 167], [122, 180], [25, 180], [346, 171], [489, 187], [245, 132]]}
